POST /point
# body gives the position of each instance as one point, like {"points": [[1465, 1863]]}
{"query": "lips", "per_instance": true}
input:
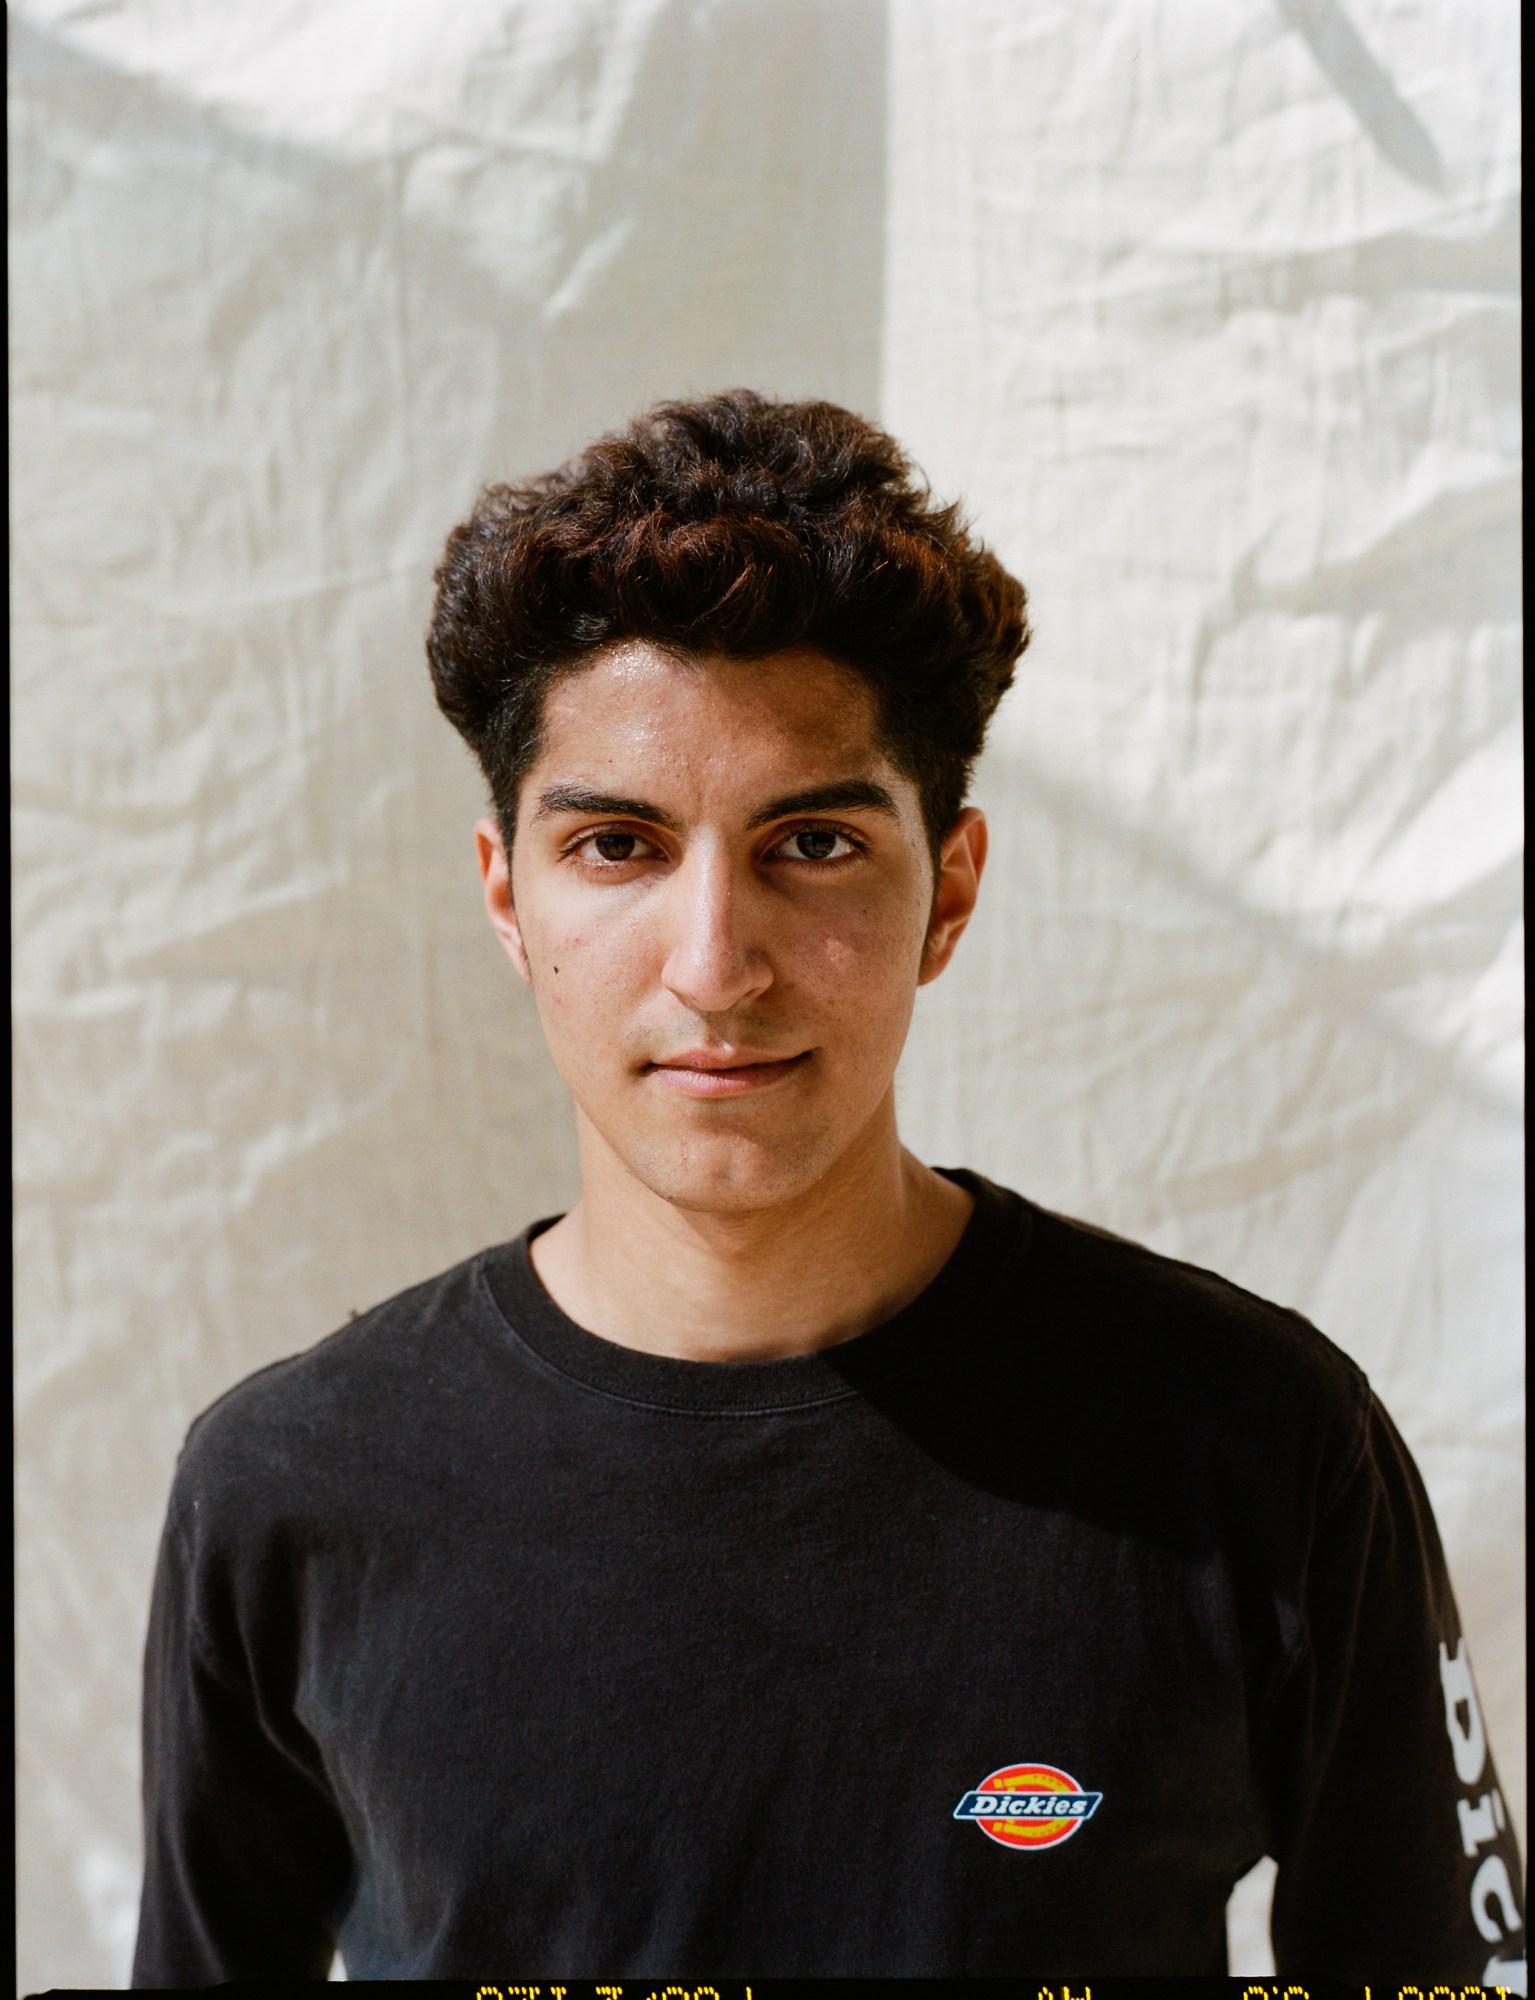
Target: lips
{"points": [[709, 1073]]}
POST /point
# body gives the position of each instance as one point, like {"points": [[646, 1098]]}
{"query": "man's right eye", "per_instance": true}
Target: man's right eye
{"points": [[613, 847]]}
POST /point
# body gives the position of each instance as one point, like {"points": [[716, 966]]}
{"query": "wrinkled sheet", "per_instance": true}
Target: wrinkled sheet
{"points": [[1211, 313]]}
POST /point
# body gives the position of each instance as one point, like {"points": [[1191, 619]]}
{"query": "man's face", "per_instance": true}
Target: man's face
{"points": [[720, 894]]}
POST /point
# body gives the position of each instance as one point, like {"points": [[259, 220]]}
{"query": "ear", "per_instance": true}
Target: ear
{"points": [[960, 862], [496, 875]]}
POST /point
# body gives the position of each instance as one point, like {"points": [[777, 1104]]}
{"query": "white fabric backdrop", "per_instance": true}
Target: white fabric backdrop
{"points": [[1211, 312]]}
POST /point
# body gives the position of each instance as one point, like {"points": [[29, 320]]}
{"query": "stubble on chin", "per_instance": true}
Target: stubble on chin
{"points": [[712, 1165]]}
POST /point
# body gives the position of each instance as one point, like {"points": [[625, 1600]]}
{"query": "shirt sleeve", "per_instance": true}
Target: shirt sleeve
{"points": [[246, 1859], [1396, 1859]]}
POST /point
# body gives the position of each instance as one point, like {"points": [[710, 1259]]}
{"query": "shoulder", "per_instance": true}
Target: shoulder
{"points": [[382, 1385], [1207, 1321], [1162, 1353]]}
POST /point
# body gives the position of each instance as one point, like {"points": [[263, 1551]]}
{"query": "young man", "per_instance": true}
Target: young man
{"points": [[793, 1560]]}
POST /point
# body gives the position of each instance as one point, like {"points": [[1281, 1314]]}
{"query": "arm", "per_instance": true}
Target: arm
{"points": [[1395, 1853], [245, 1857]]}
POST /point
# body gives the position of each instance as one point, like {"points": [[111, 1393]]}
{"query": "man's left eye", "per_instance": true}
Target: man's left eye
{"points": [[819, 843]]}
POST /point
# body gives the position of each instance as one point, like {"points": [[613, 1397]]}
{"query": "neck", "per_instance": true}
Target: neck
{"points": [[822, 1267]]}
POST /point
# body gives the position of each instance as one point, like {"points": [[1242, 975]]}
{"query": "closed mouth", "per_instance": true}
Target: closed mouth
{"points": [[702, 1074]]}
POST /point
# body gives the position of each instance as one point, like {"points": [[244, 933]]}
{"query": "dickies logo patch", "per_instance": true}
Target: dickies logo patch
{"points": [[1028, 1805]]}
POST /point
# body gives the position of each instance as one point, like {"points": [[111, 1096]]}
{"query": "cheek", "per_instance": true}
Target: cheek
{"points": [[581, 970], [564, 973], [864, 967]]}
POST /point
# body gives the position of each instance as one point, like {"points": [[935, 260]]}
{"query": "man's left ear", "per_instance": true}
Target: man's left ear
{"points": [[496, 876], [960, 861]]}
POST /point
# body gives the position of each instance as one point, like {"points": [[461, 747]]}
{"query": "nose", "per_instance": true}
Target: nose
{"points": [[713, 961]]}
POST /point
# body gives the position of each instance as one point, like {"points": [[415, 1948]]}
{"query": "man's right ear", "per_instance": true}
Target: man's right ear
{"points": [[496, 876]]}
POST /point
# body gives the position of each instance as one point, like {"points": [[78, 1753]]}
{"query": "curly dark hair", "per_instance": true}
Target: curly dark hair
{"points": [[735, 524]]}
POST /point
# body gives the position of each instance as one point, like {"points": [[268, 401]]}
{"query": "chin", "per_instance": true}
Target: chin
{"points": [[729, 1174]]}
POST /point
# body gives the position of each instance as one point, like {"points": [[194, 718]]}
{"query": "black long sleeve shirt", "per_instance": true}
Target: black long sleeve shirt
{"points": [[1002, 1639]]}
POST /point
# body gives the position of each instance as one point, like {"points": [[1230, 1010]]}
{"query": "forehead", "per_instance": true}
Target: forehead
{"points": [[659, 716]]}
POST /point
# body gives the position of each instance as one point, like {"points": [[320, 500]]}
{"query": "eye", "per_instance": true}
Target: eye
{"points": [[615, 846], [819, 843], [611, 847]]}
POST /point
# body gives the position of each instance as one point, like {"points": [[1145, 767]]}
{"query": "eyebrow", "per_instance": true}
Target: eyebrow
{"points": [[586, 799], [845, 795]]}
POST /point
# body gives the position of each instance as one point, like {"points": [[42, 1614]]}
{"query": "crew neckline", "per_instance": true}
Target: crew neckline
{"points": [[993, 1239]]}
